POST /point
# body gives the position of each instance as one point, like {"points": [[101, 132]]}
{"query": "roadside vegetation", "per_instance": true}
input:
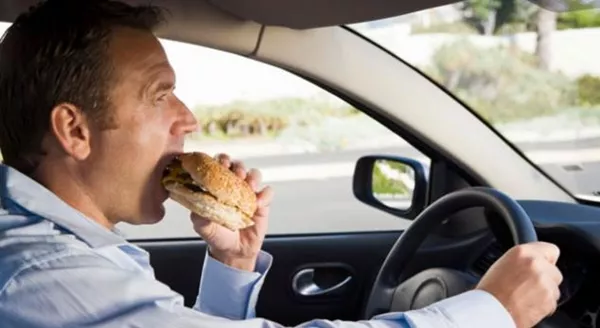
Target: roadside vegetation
{"points": [[505, 85], [502, 84], [385, 185]]}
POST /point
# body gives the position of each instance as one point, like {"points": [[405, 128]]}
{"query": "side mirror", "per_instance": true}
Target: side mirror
{"points": [[396, 185]]}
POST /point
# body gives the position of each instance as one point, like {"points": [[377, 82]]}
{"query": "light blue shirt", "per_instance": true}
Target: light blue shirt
{"points": [[59, 268]]}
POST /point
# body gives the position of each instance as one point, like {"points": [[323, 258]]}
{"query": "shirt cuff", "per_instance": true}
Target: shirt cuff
{"points": [[473, 309], [229, 292]]}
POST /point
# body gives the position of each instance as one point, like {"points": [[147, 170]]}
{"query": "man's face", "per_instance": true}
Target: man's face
{"points": [[125, 165]]}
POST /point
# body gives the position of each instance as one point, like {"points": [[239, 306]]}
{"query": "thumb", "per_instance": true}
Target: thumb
{"points": [[205, 228]]}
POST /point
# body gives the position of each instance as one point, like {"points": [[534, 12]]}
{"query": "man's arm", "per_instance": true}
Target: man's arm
{"points": [[87, 290], [232, 293], [229, 292]]}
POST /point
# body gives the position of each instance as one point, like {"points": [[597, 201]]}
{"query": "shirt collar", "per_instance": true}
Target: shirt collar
{"points": [[37, 199]]}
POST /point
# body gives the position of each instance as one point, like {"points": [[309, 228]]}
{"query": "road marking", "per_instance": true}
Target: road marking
{"points": [[574, 156], [307, 172]]}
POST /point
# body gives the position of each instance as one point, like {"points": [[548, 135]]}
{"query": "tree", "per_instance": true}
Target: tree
{"points": [[481, 14], [518, 12], [489, 16], [546, 25]]}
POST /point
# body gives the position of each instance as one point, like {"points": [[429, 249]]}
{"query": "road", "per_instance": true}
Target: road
{"points": [[328, 205], [299, 206]]}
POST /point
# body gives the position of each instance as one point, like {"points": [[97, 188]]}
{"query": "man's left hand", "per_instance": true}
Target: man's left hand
{"points": [[238, 249]]}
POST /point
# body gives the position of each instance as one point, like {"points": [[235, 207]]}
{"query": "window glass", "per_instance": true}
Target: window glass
{"points": [[303, 139], [532, 74]]}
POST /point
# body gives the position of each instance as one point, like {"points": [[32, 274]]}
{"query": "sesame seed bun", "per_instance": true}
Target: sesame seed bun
{"points": [[212, 191]]}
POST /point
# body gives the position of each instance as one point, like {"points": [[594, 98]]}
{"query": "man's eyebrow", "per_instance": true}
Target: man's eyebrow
{"points": [[151, 79], [158, 66], [164, 86]]}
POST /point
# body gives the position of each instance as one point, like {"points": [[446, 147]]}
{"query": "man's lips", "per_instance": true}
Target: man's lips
{"points": [[164, 165]]}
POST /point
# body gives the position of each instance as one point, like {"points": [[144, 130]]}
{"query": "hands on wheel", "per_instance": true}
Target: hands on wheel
{"points": [[526, 282], [238, 249]]}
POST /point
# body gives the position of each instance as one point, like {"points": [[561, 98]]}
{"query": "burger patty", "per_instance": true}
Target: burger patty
{"points": [[175, 174]]}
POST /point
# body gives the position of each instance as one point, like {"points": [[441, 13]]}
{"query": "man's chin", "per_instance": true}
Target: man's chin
{"points": [[151, 216], [158, 216]]}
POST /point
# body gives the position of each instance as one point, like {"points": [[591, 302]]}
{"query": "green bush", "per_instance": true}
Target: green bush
{"points": [[383, 185], [459, 27], [588, 90], [501, 84], [265, 118], [578, 19]]}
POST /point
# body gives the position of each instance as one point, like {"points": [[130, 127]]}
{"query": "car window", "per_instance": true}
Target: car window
{"points": [[304, 140], [532, 74]]}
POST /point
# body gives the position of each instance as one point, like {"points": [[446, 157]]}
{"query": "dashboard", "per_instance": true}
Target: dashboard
{"points": [[575, 229]]}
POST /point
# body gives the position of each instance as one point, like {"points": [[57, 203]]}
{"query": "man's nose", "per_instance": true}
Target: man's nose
{"points": [[187, 122]]}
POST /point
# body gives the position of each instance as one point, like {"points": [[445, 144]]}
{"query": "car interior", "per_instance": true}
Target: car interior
{"points": [[465, 214]]}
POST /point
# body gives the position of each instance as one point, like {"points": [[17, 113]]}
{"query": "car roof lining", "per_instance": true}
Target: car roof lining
{"points": [[304, 14], [296, 14]]}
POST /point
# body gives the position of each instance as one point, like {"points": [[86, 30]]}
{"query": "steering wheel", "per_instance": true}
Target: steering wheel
{"points": [[394, 291]]}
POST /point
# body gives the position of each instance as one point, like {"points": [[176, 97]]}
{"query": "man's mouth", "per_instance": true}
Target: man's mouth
{"points": [[168, 163]]}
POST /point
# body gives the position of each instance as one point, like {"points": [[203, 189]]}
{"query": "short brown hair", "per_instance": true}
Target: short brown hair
{"points": [[57, 52]]}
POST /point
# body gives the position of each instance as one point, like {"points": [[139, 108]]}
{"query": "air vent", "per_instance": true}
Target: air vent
{"points": [[492, 253]]}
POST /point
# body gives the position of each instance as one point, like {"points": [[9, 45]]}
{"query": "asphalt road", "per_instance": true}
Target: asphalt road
{"points": [[299, 206], [328, 205]]}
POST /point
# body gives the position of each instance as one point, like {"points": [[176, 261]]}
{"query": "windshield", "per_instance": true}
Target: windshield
{"points": [[532, 74]]}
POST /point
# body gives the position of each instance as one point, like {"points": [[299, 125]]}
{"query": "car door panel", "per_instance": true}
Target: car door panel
{"points": [[332, 258], [359, 255]]}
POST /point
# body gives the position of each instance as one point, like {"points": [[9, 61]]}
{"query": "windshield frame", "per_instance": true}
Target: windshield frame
{"points": [[470, 109]]}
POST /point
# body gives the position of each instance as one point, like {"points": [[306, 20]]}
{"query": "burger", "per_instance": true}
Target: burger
{"points": [[210, 190]]}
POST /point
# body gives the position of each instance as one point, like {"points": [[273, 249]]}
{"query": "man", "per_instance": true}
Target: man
{"points": [[88, 123]]}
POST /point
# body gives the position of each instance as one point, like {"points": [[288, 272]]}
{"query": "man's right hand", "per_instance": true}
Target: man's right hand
{"points": [[525, 280]]}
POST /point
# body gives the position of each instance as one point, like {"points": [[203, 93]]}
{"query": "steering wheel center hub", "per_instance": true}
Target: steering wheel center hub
{"points": [[430, 286]]}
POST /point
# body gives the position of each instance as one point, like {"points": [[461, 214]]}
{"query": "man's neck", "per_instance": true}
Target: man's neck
{"points": [[68, 186]]}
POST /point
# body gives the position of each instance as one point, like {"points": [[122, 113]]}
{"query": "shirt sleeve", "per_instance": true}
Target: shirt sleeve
{"points": [[473, 309], [228, 292], [232, 293], [90, 291]]}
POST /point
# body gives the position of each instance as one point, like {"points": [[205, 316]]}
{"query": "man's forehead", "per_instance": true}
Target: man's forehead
{"points": [[137, 50]]}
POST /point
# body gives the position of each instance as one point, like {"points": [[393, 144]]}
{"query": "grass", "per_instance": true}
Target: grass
{"points": [[383, 185]]}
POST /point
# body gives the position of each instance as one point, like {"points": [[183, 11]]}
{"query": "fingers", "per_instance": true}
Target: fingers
{"points": [[555, 274], [239, 169], [554, 302], [224, 159], [547, 255], [236, 166], [549, 251], [264, 198], [252, 177], [205, 228], [261, 217], [543, 257]]}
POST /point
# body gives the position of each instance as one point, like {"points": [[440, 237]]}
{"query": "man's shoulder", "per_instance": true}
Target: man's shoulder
{"points": [[26, 253]]}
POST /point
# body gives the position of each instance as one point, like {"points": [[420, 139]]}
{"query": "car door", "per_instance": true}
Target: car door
{"points": [[327, 246]]}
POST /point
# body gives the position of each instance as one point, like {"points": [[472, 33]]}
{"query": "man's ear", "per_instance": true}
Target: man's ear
{"points": [[71, 128]]}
